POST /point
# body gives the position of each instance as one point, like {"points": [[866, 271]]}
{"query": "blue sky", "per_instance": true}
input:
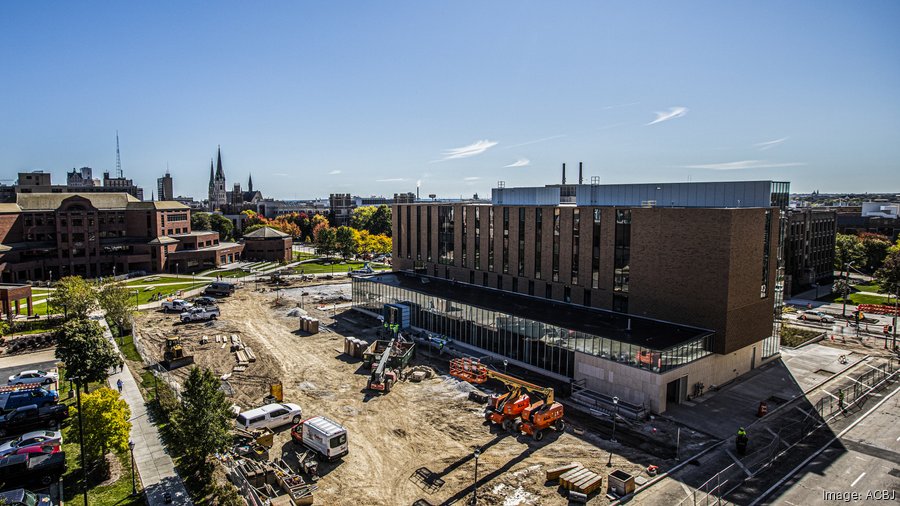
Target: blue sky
{"points": [[377, 97]]}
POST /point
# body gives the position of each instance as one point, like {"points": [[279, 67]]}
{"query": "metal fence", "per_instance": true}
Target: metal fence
{"points": [[830, 405]]}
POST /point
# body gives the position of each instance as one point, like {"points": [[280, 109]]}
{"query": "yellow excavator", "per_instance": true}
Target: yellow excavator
{"points": [[173, 356], [525, 407]]}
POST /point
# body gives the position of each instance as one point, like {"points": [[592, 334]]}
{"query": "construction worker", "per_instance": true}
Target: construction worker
{"points": [[741, 441], [841, 399]]}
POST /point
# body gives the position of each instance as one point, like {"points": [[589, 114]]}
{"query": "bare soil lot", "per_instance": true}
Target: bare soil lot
{"points": [[428, 425]]}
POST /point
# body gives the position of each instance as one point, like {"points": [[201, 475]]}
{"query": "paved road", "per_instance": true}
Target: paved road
{"points": [[44, 359], [863, 461]]}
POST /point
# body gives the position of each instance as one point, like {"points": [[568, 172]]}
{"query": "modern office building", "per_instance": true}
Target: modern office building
{"points": [[164, 188], [701, 255], [50, 235], [809, 250]]}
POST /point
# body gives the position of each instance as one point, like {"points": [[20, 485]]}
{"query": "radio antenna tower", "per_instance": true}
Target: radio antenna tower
{"points": [[118, 158]]}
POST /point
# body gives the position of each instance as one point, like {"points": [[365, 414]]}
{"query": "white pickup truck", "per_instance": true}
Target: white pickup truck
{"points": [[176, 305], [200, 314]]}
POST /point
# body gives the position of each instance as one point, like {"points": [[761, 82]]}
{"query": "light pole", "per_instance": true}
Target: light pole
{"points": [[133, 485], [894, 327], [136, 304], [49, 291], [816, 286], [615, 417], [477, 454], [77, 381], [846, 287]]}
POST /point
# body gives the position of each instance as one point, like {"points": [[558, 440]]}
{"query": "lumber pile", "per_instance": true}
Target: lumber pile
{"points": [[250, 355], [575, 477]]}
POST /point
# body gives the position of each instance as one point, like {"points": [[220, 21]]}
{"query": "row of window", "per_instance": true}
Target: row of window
{"points": [[536, 343]]}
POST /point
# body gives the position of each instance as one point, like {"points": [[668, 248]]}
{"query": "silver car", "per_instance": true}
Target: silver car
{"points": [[815, 316], [33, 377]]}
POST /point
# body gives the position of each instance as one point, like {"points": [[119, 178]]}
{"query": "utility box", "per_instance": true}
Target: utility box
{"points": [[620, 483]]}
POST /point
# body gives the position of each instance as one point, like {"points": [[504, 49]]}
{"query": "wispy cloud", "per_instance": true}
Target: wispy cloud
{"points": [[672, 113], [745, 164], [762, 146], [629, 104], [334, 172], [390, 180], [521, 162], [535, 141], [471, 178], [476, 148]]}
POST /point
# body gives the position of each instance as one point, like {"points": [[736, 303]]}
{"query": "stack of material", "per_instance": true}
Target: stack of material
{"points": [[204, 339], [577, 478], [236, 343], [309, 324], [354, 347], [250, 355]]}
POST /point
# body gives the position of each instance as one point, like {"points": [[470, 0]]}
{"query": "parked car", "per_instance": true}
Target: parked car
{"points": [[219, 288], [200, 314], [32, 417], [38, 469], [31, 442], [270, 416], [33, 377], [322, 435], [22, 497], [205, 301], [38, 396], [815, 316], [176, 305]]}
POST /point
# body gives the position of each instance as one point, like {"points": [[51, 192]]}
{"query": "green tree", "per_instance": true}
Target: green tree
{"points": [[74, 297], [106, 425], [848, 249], [381, 221], [875, 250], [87, 354], [202, 422], [115, 299], [888, 275], [325, 239], [222, 225], [361, 217], [200, 221], [345, 241]]}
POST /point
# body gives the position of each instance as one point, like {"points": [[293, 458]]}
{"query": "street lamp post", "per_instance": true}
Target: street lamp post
{"points": [[84, 481], [133, 484], [49, 292], [477, 454], [846, 287], [816, 286], [615, 419], [894, 327]]}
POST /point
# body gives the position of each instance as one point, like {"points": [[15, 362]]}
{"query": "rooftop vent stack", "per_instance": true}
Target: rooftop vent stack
{"points": [[564, 174], [580, 173]]}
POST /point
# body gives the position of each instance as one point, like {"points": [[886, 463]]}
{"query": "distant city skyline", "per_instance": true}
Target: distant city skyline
{"points": [[370, 99]]}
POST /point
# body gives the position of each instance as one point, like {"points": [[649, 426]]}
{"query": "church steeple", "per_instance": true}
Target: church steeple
{"points": [[210, 172], [220, 174], [250, 183]]}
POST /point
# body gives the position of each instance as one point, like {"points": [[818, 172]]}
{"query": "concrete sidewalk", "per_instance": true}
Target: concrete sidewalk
{"points": [[155, 467]]}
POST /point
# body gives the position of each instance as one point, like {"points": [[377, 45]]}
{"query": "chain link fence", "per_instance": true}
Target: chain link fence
{"points": [[845, 397]]}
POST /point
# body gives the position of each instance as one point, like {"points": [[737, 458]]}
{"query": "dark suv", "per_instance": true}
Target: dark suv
{"points": [[32, 417], [31, 468], [26, 397]]}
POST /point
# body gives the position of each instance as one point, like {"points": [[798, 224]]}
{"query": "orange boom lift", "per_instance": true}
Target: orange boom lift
{"points": [[525, 407]]}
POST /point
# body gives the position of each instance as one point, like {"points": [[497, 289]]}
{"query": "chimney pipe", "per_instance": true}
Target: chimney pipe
{"points": [[564, 174], [580, 174]]}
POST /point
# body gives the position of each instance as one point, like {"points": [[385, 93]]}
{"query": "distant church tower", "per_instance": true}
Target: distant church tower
{"points": [[217, 196]]}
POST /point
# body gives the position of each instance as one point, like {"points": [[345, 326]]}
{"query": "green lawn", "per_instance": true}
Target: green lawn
{"points": [[144, 296], [303, 255], [874, 287], [156, 280], [337, 268], [126, 345], [231, 273], [858, 298]]}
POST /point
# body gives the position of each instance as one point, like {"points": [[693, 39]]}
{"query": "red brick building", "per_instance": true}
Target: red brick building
{"points": [[44, 235], [268, 244]]}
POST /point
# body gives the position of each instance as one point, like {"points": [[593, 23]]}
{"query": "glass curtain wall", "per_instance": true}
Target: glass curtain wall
{"points": [[542, 345]]}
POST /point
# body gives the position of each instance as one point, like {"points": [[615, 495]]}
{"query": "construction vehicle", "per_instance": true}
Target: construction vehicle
{"points": [[525, 407], [173, 356], [387, 359]]}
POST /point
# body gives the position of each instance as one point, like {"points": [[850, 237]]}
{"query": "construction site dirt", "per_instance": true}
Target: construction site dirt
{"points": [[416, 442]]}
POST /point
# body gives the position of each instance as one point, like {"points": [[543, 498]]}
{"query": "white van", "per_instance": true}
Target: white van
{"points": [[269, 416], [323, 435]]}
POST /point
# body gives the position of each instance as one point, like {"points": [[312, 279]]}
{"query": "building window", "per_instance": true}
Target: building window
{"points": [[576, 233], [620, 303], [763, 291], [419, 233], [595, 258], [445, 235], [567, 293], [548, 290], [428, 233], [521, 256], [623, 251], [538, 232], [408, 231], [587, 298], [515, 284], [484, 279], [477, 238], [505, 240], [465, 239], [491, 239], [500, 281], [471, 277], [556, 244], [530, 287]]}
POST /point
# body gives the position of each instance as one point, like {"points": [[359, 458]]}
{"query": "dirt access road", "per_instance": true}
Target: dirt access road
{"points": [[418, 425]]}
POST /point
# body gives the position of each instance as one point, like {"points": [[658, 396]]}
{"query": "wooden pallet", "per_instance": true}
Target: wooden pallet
{"points": [[556, 472], [581, 480]]}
